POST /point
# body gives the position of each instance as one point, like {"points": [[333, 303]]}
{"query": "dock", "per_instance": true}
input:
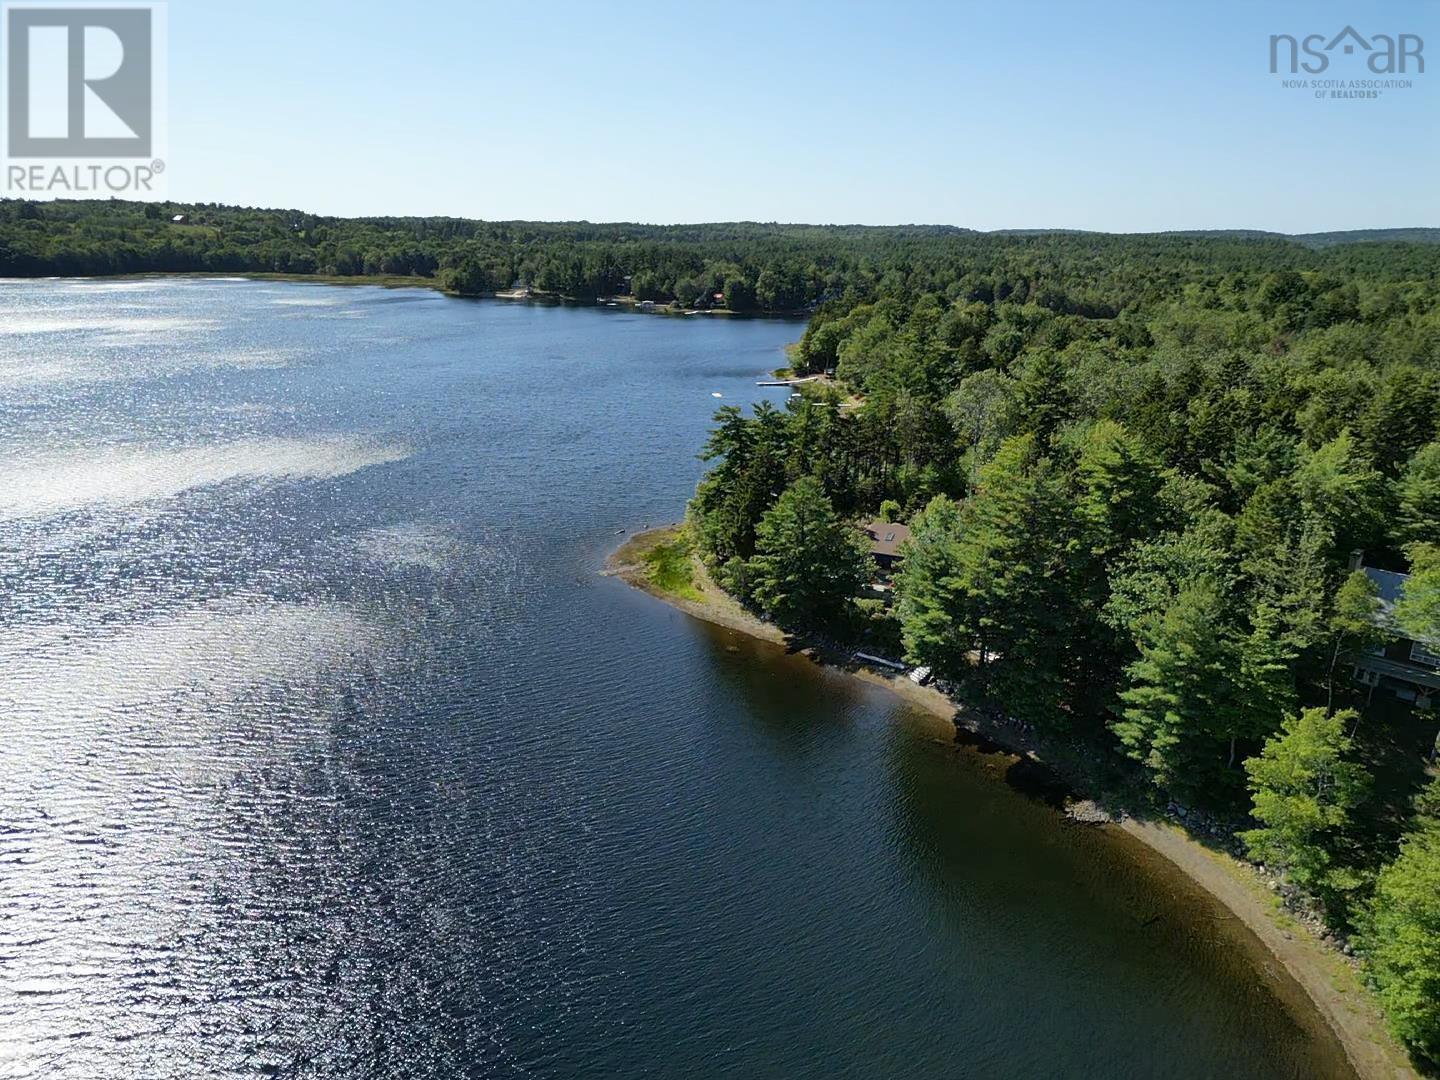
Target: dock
{"points": [[869, 659]]}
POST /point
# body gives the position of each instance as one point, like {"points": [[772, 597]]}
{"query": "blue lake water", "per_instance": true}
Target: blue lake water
{"points": [[326, 751]]}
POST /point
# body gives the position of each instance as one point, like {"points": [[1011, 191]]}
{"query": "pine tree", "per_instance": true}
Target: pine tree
{"points": [[1179, 711], [808, 563], [1043, 396], [1417, 494], [1354, 624], [749, 469], [1120, 487], [930, 588], [996, 579], [1338, 486]]}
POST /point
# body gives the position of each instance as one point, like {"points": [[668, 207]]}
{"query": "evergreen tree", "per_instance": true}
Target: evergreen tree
{"points": [[1043, 395], [750, 456], [930, 587], [995, 580], [1417, 495], [1337, 486], [1400, 416], [808, 564], [1179, 712], [1119, 498]]}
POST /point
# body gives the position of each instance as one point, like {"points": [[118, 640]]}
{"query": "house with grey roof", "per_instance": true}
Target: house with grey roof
{"points": [[1407, 668]]}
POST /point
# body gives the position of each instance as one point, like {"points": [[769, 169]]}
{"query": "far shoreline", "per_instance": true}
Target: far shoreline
{"points": [[409, 281], [1327, 978]]}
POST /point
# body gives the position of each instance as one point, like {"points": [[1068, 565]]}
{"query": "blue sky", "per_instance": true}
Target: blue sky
{"points": [[1101, 115]]}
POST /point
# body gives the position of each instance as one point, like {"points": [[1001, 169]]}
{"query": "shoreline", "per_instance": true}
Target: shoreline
{"points": [[410, 281], [1327, 978], [386, 281]]}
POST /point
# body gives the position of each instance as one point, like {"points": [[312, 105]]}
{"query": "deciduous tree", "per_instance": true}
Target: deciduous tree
{"points": [[1305, 786], [1401, 935]]}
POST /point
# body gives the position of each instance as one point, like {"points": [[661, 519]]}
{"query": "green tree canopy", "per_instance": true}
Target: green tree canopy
{"points": [[808, 564], [1417, 497], [1178, 705], [1336, 485], [1418, 611], [1355, 622], [1119, 480], [1401, 936], [1305, 787], [990, 579]]}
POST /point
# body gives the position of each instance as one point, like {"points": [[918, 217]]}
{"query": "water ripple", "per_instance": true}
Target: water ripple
{"points": [[44, 484]]}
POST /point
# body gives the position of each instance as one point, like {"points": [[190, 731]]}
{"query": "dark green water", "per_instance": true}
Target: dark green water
{"points": [[328, 753]]}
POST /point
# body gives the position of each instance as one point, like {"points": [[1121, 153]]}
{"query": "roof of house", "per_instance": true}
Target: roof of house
{"points": [[1390, 585], [1420, 669], [886, 536]]}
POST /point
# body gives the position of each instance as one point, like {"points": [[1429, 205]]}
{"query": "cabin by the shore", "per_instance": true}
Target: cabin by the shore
{"points": [[1408, 669], [885, 539]]}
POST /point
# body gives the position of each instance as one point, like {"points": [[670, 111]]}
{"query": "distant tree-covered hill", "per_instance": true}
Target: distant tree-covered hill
{"points": [[744, 266], [1371, 236], [1329, 239]]}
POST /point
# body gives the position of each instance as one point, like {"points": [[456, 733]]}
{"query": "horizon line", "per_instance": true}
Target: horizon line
{"points": [[1173, 230]]}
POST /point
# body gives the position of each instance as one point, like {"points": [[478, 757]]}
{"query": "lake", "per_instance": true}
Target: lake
{"points": [[327, 752]]}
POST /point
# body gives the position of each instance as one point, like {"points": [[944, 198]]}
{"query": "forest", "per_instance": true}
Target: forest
{"points": [[1141, 474], [753, 267]]}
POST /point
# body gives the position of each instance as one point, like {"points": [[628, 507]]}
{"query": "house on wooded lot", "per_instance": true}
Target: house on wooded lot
{"points": [[1407, 668], [885, 540]]}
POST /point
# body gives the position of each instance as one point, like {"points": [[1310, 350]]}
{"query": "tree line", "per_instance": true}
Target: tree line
{"points": [[1137, 472], [749, 266]]}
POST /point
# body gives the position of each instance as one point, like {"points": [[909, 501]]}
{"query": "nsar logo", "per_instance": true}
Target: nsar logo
{"points": [[1385, 55]]}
